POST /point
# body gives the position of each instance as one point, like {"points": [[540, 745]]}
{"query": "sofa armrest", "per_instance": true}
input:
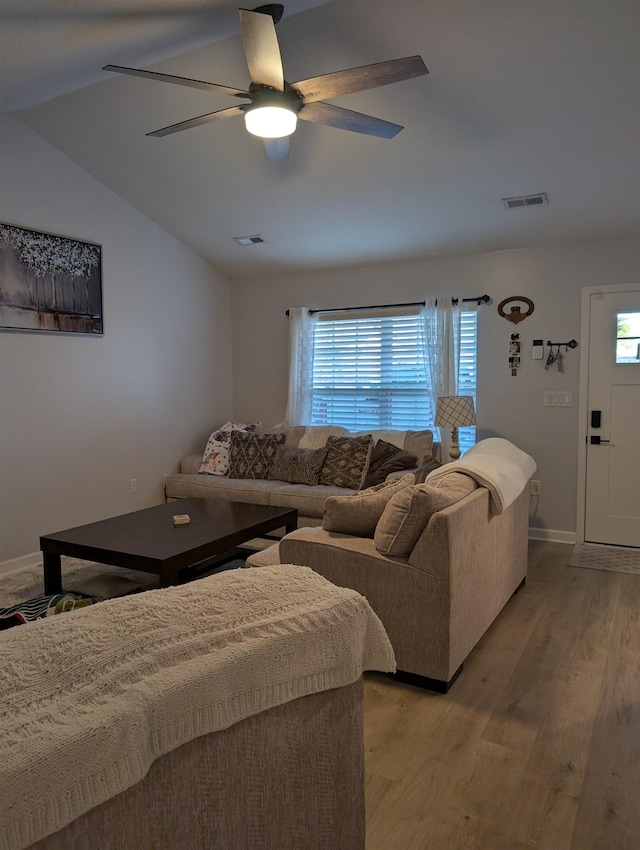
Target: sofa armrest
{"points": [[412, 604], [481, 557], [190, 464]]}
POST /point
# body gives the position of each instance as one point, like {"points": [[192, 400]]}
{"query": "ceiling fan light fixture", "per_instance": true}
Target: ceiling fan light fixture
{"points": [[270, 122]]}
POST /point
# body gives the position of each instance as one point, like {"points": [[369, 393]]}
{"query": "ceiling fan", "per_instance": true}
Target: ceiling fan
{"points": [[274, 105]]}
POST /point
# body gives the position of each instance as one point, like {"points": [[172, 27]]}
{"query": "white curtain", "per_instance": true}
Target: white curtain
{"points": [[441, 348], [301, 326]]}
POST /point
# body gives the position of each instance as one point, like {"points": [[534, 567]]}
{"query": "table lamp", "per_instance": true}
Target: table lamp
{"points": [[455, 411]]}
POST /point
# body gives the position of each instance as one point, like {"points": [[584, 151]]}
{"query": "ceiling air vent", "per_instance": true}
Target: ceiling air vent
{"points": [[539, 200], [248, 240]]}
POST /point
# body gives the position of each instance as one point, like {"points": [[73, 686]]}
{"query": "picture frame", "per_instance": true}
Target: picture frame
{"points": [[49, 283]]}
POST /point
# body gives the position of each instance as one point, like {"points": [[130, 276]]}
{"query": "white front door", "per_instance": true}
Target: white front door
{"points": [[612, 481]]}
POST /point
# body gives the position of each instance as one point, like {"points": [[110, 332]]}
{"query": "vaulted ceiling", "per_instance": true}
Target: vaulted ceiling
{"points": [[521, 98]]}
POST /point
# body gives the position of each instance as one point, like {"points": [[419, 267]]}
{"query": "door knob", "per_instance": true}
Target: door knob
{"points": [[596, 441]]}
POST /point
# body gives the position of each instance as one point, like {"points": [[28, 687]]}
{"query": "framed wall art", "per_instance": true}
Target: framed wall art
{"points": [[49, 283]]}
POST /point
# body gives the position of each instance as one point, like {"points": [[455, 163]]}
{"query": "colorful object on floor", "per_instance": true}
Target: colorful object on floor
{"points": [[42, 606]]}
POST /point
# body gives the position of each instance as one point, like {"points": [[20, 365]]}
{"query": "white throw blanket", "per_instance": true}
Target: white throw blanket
{"points": [[496, 464], [89, 699]]}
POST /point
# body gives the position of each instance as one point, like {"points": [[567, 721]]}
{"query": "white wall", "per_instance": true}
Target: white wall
{"points": [[80, 416], [508, 407]]}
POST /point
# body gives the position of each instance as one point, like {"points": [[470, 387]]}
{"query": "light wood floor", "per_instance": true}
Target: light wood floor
{"points": [[537, 744]]}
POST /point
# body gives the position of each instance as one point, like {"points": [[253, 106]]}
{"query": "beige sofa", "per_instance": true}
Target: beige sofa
{"points": [[224, 714], [309, 500], [438, 600]]}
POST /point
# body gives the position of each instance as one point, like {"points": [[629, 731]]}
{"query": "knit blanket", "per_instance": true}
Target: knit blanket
{"points": [[496, 464], [88, 701]]}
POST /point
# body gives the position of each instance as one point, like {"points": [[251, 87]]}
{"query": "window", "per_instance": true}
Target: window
{"points": [[369, 372], [628, 338]]}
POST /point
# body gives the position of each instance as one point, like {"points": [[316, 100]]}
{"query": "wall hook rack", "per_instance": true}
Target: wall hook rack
{"points": [[567, 345], [556, 359]]}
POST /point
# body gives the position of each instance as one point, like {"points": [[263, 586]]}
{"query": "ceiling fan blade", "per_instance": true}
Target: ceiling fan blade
{"points": [[346, 119], [179, 81], [261, 49], [196, 122], [360, 79], [277, 148]]}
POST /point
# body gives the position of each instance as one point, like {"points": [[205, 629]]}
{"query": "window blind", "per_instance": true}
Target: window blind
{"points": [[369, 372]]}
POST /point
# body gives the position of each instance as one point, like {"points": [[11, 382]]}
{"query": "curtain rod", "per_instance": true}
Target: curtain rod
{"points": [[481, 299]]}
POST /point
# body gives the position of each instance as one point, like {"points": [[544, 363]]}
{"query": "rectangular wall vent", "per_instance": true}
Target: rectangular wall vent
{"points": [[248, 240], [539, 200]]}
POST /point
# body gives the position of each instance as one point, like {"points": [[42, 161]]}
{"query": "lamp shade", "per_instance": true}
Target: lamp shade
{"points": [[270, 122], [455, 411]]}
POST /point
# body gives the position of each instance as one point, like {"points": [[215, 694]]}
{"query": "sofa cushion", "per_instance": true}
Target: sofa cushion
{"points": [[396, 438], [215, 460], [199, 486], [252, 454], [419, 443], [308, 500], [359, 513], [298, 466], [292, 433], [385, 459], [346, 461], [408, 512], [315, 436]]}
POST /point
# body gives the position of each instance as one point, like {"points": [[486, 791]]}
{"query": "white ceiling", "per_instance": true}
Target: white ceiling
{"points": [[522, 97]]}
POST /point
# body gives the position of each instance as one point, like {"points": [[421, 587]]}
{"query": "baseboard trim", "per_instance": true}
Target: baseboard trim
{"points": [[32, 560], [552, 535]]}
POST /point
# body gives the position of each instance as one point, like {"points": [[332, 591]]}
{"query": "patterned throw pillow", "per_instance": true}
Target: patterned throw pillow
{"points": [[252, 454], [215, 460], [298, 466], [346, 462], [387, 458]]}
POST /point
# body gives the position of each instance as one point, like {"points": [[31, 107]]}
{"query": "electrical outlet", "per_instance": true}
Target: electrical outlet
{"points": [[535, 488], [133, 485]]}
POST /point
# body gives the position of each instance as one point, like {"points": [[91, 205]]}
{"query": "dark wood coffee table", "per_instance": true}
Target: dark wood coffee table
{"points": [[147, 540]]}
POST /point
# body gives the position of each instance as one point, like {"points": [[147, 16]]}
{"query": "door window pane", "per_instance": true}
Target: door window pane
{"points": [[628, 338]]}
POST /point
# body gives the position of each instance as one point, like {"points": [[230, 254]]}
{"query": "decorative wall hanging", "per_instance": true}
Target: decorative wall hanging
{"points": [[515, 354], [48, 282], [516, 315], [556, 358]]}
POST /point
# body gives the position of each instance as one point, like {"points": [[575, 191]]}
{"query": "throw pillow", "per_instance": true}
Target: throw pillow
{"points": [[346, 462], [359, 513], [387, 458], [408, 512], [298, 466], [215, 460], [428, 465], [252, 454]]}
